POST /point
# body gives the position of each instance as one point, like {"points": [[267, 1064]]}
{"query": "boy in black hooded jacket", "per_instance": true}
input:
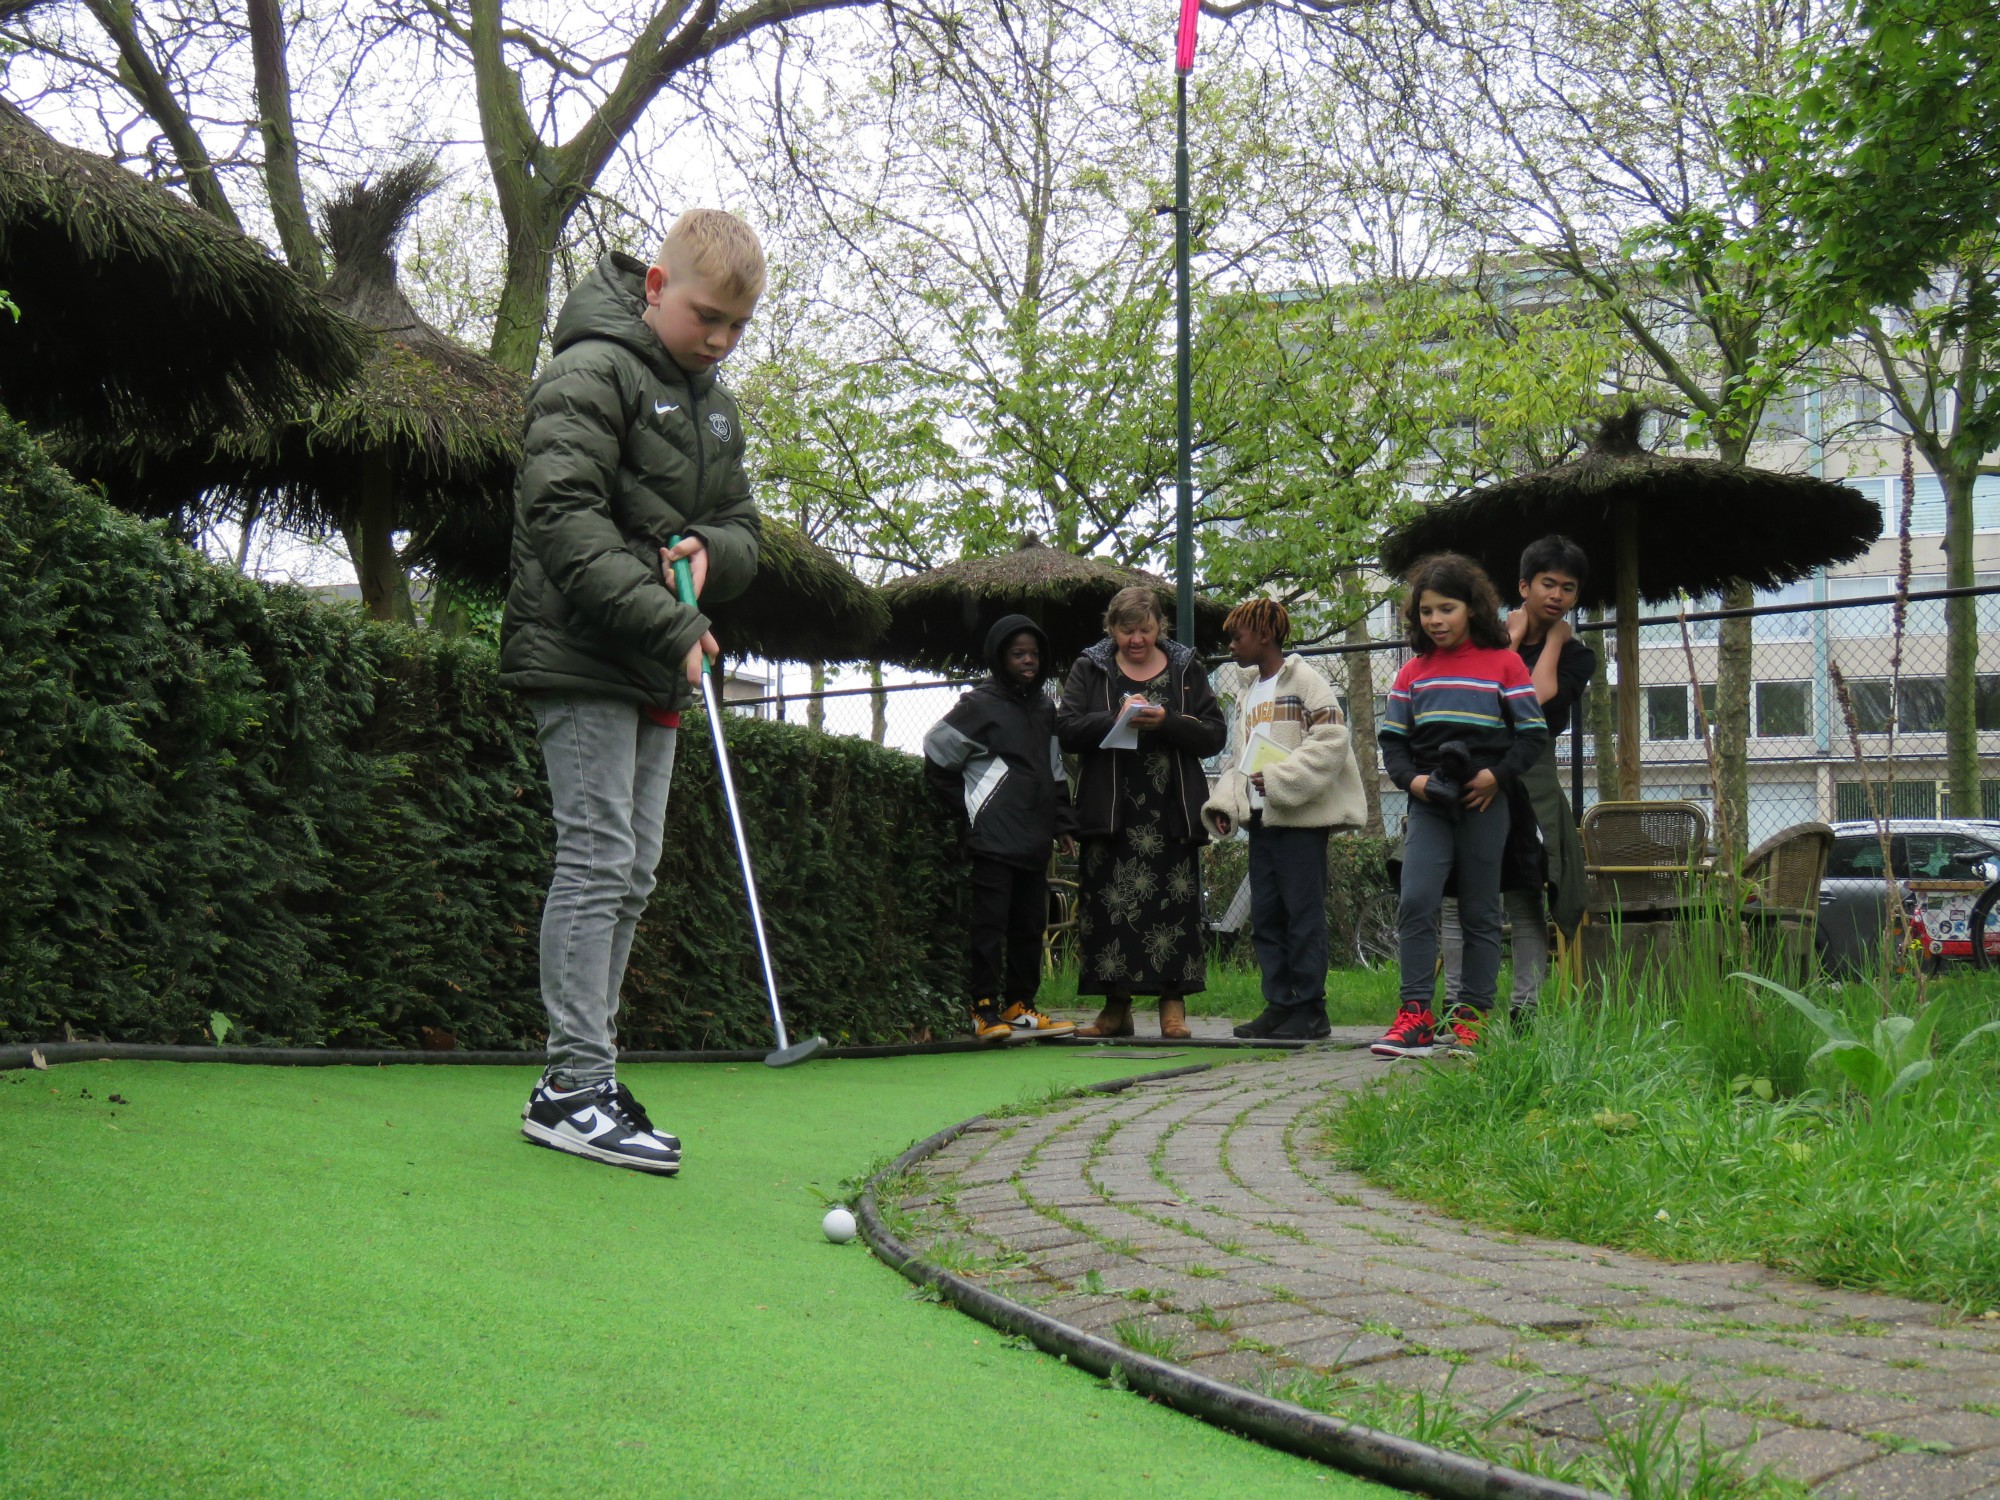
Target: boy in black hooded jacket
{"points": [[994, 761]]}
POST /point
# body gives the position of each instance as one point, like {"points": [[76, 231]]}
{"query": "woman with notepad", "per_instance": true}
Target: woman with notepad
{"points": [[1139, 713]]}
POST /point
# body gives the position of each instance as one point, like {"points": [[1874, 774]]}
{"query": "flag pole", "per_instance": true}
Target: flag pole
{"points": [[1184, 354]]}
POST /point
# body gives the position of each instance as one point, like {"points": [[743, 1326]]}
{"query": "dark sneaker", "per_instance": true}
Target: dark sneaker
{"points": [[986, 1022], [603, 1122], [1030, 1024], [1262, 1026], [1410, 1035], [1302, 1025], [1462, 1035]]}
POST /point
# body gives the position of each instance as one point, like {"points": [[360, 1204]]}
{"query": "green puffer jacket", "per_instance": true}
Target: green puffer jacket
{"points": [[624, 450]]}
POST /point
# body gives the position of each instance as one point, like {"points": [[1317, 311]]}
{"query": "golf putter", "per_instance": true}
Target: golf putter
{"points": [[787, 1051]]}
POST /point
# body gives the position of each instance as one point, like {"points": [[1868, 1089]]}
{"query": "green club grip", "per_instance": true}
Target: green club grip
{"points": [[683, 576], [684, 581]]}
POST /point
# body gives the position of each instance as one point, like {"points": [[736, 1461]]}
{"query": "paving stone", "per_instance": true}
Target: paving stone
{"points": [[1853, 1411], [1237, 1369], [1963, 1431], [1912, 1476], [1806, 1454], [1346, 1349]]}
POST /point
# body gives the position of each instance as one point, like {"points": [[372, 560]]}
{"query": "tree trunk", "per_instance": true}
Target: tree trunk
{"points": [[816, 704], [1627, 564], [1361, 722], [524, 295], [1961, 651], [1601, 712], [273, 79], [878, 706], [1732, 727], [385, 588]]}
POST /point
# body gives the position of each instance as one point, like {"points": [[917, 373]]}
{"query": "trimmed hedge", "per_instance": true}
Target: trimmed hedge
{"points": [[221, 796]]}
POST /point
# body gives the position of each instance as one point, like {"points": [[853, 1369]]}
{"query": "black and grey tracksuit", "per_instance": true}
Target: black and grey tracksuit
{"points": [[994, 760]]}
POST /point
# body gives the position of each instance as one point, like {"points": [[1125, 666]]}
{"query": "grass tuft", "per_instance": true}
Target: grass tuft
{"points": [[1627, 1122]]}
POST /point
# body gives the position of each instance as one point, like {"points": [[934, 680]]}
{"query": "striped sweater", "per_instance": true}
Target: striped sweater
{"points": [[1476, 694]]}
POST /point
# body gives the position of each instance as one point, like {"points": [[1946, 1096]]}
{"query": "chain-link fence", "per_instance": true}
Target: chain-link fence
{"points": [[1801, 760]]}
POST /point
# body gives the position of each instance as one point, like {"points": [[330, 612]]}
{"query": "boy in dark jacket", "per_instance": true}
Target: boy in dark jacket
{"points": [[994, 761], [632, 458]]}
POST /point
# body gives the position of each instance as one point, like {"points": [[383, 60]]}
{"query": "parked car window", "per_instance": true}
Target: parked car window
{"points": [[1945, 856], [1854, 858]]}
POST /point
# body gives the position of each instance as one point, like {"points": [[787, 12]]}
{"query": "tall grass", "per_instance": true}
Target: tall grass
{"points": [[1684, 1118]]}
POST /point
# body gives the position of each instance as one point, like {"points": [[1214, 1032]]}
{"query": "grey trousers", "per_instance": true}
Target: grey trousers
{"points": [[609, 769], [1530, 942], [1435, 846], [1288, 915]]}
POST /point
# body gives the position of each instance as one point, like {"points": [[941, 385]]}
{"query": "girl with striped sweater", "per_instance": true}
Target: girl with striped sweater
{"points": [[1463, 723]]}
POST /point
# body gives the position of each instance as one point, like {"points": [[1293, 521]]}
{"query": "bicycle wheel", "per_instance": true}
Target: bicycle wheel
{"points": [[1375, 930], [1975, 926]]}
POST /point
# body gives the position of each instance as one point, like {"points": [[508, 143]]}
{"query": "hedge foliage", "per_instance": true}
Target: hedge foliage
{"points": [[217, 795], [1357, 870]]}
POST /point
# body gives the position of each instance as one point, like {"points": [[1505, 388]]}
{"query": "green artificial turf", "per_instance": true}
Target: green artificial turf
{"points": [[252, 1281]]}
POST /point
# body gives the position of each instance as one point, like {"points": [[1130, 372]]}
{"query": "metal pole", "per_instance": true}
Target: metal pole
{"points": [[1183, 382]]}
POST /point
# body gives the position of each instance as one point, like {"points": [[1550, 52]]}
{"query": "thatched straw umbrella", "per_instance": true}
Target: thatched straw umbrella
{"points": [[425, 440], [803, 605], [938, 620], [1655, 527], [140, 310]]}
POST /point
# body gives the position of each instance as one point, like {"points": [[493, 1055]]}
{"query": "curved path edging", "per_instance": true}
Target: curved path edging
{"points": [[1372, 1454]]}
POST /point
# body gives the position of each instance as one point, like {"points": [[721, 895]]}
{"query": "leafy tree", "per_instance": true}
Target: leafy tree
{"points": [[1883, 149], [1593, 140]]}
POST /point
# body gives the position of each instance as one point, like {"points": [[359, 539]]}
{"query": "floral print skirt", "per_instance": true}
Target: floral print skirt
{"points": [[1139, 925]]}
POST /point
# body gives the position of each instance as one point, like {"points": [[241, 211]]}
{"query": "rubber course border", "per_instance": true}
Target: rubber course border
{"points": [[1400, 1462]]}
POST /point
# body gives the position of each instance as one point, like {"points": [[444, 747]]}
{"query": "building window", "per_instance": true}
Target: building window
{"points": [[1667, 714], [1919, 705], [1784, 710], [1987, 702]]}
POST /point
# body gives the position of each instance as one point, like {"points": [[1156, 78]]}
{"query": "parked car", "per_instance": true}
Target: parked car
{"points": [[1944, 863]]}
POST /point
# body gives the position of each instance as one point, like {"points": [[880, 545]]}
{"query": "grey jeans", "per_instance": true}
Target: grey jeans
{"points": [[1530, 925], [1469, 848], [609, 769]]}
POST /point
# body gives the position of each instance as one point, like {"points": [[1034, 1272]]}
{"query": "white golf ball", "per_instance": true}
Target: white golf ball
{"points": [[839, 1225]]}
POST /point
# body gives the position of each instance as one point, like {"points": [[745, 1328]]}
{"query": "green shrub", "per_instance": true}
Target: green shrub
{"points": [[217, 796]]}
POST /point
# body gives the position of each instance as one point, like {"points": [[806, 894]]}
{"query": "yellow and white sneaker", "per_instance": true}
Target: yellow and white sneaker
{"points": [[986, 1022], [1029, 1024]]}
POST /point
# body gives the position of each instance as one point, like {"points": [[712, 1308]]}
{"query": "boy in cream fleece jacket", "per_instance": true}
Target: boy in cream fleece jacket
{"points": [[1305, 785]]}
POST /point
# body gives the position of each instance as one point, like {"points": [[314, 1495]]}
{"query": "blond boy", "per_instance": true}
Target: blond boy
{"points": [[630, 443]]}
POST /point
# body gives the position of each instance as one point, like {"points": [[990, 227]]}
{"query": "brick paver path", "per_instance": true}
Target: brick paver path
{"points": [[1198, 1216]]}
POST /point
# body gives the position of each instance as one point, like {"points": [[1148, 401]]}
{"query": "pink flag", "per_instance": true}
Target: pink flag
{"points": [[1184, 46]]}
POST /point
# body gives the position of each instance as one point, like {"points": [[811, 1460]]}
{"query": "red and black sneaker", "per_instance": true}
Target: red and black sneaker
{"points": [[1462, 1035], [1411, 1034]]}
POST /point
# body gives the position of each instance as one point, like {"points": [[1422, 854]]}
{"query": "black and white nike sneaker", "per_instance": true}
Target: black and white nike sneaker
{"points": [[603, 1122]]}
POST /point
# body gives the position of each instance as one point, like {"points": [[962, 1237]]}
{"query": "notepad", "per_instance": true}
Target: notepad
{"points": [[1122, 735]]}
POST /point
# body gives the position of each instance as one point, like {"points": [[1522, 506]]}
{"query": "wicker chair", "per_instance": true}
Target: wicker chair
{"points": [[1781, 880], [1059, 935], [1644, 857]]}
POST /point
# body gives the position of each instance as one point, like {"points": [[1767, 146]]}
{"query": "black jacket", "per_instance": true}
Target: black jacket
{"points": [[623, 451], [1194, 729], [993, 760]]}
